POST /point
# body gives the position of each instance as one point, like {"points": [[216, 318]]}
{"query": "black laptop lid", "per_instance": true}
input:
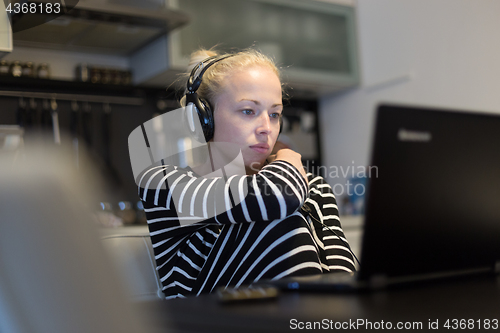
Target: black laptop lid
{"points": [[433, 206]]}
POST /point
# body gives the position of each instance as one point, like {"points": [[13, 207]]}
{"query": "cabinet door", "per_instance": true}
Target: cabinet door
{"points": [[5, 31], [314, 41]]}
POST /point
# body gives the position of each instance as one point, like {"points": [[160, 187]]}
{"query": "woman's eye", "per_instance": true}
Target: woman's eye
{"points": [[275, 115], [247, 111]]}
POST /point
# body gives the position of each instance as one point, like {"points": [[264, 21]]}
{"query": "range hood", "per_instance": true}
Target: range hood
{"points": [[93, 26]]}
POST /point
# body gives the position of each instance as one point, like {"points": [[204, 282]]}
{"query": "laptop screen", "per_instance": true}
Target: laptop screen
{"points": [[434, 205]]}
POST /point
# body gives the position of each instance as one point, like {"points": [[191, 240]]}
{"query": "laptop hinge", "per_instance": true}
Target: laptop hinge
{"points": [[378, 281]]}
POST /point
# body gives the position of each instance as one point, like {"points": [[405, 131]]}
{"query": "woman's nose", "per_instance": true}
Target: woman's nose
{"points": [[264, 125]]}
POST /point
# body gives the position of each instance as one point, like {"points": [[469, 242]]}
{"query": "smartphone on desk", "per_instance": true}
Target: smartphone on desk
{"points": [[246, 293]]}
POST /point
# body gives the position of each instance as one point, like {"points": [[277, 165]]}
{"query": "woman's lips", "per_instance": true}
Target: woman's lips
{"points": [[262, 148]]}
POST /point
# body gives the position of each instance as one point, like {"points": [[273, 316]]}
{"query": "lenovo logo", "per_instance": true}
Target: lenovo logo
{"points": [[414, 136]]}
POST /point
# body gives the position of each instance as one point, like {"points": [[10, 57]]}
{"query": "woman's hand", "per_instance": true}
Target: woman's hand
{"points": [[291, 157]]}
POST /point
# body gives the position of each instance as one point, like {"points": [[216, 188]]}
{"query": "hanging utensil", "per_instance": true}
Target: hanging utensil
{"points": [[55, 122], [74, 122], [106, 123], [21, 113], [45, 118], [31, 113], [87, 124], [112, 175]]}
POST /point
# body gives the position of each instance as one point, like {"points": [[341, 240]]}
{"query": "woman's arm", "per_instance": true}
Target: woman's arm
{"points": [[275, 192], [290, 156], [322, 206]]}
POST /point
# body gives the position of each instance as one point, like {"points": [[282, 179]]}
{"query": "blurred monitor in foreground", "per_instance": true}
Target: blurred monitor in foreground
{"points": [[54, 274]]}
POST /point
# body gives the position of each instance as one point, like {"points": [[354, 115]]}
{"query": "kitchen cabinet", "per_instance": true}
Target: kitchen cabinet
{"points": [[315, 42], [104, 27], [5, 31]]}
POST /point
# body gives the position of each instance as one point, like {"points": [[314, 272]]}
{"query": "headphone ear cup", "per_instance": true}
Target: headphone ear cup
{"points": [[203, 107], [198, 110], [206, 118]]}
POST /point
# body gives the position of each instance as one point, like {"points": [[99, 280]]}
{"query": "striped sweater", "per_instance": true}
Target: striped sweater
{"points": [[211, 232]]}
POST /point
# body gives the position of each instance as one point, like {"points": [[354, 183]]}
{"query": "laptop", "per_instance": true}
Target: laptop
{"points": [[433, 207]]}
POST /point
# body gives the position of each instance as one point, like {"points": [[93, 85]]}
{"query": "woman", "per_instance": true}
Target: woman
{"points": [[274, 230]]}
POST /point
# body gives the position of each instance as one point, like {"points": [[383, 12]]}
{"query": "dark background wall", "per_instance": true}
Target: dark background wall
{"points": [[109, 152]]}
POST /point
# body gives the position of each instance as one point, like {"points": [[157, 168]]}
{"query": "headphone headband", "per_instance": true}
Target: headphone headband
{"points": [[194, 80]]}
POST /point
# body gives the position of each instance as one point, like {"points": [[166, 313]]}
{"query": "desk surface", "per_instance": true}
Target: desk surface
{"points": [[474, 300]]}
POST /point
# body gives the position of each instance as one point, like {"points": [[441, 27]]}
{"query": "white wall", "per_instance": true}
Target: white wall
{"points": [[442, 53]]}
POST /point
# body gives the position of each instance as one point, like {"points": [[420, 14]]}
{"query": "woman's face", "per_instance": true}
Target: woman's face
{"points": [[247, 113]]}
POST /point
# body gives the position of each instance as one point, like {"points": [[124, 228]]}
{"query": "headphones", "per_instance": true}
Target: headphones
{"points": [[201, 106]]}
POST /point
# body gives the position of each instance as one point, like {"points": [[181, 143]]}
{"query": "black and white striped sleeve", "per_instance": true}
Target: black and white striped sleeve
{"points": [[275, 192], [323, 207]]}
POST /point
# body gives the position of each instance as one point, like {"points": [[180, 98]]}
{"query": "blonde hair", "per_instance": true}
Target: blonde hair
{"points": [[213, 78]]}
